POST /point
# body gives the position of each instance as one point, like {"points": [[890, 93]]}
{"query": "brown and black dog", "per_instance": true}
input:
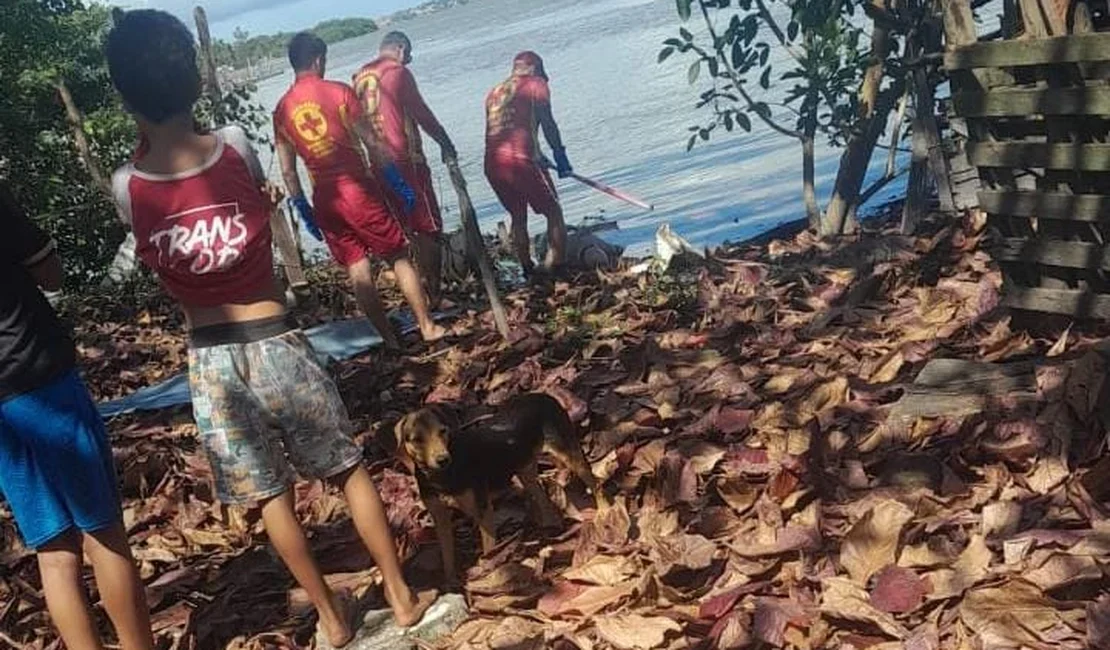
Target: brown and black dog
{"points": [[464, 466]]}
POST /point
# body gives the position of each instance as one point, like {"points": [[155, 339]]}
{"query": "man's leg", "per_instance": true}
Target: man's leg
{"points": [[522, 244], [61, 563], [431, 264], [288, 538], [369, 516], [556, 238], [120, 587], [369, 301], [412, 286]]}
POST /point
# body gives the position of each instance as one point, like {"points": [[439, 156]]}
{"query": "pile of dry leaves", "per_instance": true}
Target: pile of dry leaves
{"points": [[780, 479]]}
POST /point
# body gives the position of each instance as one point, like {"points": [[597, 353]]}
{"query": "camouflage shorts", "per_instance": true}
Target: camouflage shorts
{"points": [[265, 409]]}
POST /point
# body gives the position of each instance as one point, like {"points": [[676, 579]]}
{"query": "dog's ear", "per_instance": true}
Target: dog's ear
{"points": [[399, 431]]}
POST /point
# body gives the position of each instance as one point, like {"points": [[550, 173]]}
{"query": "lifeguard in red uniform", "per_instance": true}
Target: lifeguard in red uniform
{"points": [[516, 110]]}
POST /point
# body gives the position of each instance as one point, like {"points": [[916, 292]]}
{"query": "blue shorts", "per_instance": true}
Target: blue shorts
{"points": [[56, 468]]}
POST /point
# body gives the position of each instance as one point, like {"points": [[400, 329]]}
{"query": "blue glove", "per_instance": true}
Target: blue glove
{"points": [[562, 163], [301, 206], [400, 187]]}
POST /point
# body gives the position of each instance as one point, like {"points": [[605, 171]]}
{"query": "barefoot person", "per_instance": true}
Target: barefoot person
{"points": [[515, 111], [323, 123], [396, 111], [56, 467], [264, 406]]}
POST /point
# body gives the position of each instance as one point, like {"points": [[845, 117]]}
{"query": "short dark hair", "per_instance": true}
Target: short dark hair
{"points": [[304, 49], [395, 39], [152, 60]]}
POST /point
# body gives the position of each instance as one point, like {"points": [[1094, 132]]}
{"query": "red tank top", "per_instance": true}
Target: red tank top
{"points": [[205, 232], [511, 123], [317, 117]]}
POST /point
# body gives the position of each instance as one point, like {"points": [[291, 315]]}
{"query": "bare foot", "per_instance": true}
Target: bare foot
{"points": [[337, 628], [433, 333], [409, 609]]}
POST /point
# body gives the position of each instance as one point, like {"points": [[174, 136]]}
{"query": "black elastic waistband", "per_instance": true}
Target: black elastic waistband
{"points": [[241, 333]]}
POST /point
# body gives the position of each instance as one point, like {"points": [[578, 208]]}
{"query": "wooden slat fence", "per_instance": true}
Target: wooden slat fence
{"points": [[1038, 117]]}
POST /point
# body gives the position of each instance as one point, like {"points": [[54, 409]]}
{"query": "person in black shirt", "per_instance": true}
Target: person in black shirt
{"points": [[56, 467]]}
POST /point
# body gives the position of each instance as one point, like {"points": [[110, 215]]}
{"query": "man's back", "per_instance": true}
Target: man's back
{"points": [[388, 95], [512, 124], [318, 118], [35, 347]]}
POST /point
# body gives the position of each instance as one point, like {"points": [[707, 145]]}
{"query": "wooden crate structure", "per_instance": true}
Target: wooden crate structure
{"points": [[1038, 117]]}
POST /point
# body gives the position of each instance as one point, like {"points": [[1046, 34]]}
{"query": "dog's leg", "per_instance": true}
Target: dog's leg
{"points": [[478, 508], [570, 455], [550, 517], [445, 535]]}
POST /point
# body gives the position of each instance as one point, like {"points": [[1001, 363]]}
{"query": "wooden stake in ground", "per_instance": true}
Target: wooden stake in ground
{"points": [[208, 61], [478, 248]]}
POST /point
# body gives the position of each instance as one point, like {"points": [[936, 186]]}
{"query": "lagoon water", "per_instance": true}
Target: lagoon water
{"points": [[624, 117]]}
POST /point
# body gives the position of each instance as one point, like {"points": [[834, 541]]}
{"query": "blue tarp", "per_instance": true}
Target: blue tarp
{"points": [[334, 341]]}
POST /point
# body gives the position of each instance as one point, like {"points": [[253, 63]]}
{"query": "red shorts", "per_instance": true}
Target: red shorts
{"points": [[522, 183], [425, 217], [355, 220]]}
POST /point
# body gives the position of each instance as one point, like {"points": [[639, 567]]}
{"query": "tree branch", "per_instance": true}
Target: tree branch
{"points": [[781, 36], [737, 82]]}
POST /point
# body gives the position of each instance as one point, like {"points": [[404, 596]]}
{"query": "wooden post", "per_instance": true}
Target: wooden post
{"points": [[288, 250], [928, 157], [478, 249], [84, 150], [208, 60]]}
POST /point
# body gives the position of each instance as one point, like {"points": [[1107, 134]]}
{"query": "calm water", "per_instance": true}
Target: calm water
{"points": [[623, 117]]}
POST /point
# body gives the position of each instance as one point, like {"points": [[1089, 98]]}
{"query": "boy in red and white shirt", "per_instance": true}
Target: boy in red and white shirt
{"points": [[264, 407]]}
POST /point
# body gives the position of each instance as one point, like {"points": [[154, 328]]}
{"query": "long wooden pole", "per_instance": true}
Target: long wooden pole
{"points": [[477, 248], [208, 60]]}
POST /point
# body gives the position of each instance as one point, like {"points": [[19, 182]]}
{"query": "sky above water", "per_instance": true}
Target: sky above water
{"points": [[269, 16]]}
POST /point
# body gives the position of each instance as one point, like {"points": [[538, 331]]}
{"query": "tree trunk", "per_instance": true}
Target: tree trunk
{"points": [[875, 109], [809, 174], [84, 150], [208, 61]]}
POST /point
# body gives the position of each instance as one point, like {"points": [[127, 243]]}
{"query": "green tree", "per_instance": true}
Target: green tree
{"points": [[48, 48], [825, 89]]}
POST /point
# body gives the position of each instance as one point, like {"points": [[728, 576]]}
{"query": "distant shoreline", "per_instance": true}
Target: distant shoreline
{"points": [[275, 66]]}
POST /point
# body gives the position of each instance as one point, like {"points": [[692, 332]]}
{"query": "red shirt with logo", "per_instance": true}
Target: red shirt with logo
{"points": [[318, 118], [204, 232], [512, 126], [396, 109]]}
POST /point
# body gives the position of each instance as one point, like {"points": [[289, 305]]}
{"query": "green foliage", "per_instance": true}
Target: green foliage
{"points": [[40, 44], [734, 64], [247, 49]]}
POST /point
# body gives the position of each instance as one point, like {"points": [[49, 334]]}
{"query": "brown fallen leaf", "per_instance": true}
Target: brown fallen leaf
{"points": [[682, 552], [969, 568], [841, 598], [888, 368], [605, 570], [1049, 570], [1013, 615], [636, 632], [824, 397], [1001, 519], [737, 493], [1098, 624], [872, 543], [568, 598]]}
